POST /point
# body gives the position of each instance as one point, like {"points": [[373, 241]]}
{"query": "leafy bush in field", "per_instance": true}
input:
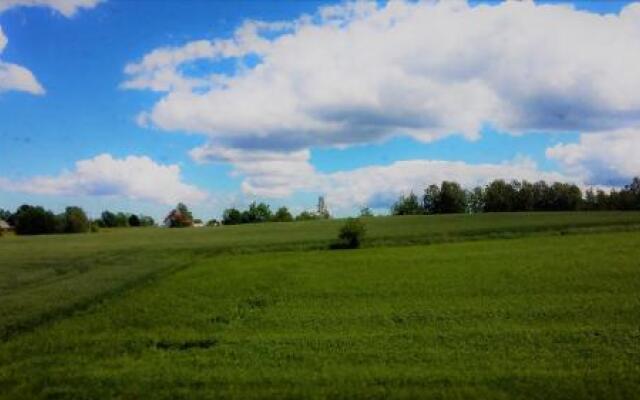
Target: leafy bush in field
{"points": [[351, 234]]}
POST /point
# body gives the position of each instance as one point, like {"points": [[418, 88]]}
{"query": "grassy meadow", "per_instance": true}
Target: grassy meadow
{"points": [[538, 305]]}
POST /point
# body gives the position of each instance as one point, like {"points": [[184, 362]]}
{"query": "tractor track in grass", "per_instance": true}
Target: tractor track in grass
{"points": [[29, 325]]}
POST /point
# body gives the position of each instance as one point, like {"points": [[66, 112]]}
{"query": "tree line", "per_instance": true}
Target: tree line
{"points": [[447, 198], [36, 220], [110, 219], [503, 196], [261, 212]]}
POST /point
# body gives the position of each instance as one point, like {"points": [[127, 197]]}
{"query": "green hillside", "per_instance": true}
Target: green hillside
{"points": [[485, 306]]}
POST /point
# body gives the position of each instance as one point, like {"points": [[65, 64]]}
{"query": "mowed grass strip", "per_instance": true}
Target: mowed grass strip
{"points": [[46, 278], [538, 317]]}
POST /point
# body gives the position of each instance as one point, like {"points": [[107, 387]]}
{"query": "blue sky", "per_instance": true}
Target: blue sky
{"points": [[249, 146]]}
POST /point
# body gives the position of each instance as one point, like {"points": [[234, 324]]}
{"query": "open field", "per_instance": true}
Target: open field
{"points": [[544, 310]]}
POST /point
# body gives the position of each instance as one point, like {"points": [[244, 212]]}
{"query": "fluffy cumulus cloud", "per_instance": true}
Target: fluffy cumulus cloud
{"points": [[363, 72], [64, 7], [14, 77], [278, 174], [611, 158], [266, 173], [133, 177]]}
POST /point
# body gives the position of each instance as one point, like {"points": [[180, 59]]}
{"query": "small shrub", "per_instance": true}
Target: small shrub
{"points": [[351, 234]]}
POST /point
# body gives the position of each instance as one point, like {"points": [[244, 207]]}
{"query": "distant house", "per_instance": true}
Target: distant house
{"points": [[4, 226]]}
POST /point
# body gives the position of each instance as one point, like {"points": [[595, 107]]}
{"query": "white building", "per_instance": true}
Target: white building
{"points": [[4, 226]]}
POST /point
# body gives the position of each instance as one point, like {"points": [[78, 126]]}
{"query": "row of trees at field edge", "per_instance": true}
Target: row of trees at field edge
{"points": [[449, 197], [502, 196], [261, 212], [35, 220], [110, 219]]}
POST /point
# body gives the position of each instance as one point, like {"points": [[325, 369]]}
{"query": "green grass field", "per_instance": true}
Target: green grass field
{"points": [[489, 306]]}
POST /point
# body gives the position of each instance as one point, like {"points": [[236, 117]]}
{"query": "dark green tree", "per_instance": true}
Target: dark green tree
{"points": [[282, 215], [122, 220], [524, 198], [108, 219], [134, 220], [306, 216], [34, 220], [475, 200], [5, 215], [565, 197], [590, 202], [499, 196], [452, 199], [231, 216], [146, 220], [74, 220], [407, 205], [257, 212]]}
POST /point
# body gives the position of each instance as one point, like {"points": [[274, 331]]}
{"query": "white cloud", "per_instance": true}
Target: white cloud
{"points": [[266, 173], [280, 174], [15, 77], [609, 158], [3, 40], [360, 72], [65, 7], [379, 186], [133, 177]]}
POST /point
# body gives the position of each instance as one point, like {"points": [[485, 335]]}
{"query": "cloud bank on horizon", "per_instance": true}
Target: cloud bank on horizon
{"points": [[361, 73], [133, 177]]}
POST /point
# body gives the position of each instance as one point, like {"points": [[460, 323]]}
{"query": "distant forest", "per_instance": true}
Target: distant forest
{"points": [[502, 196], [447, 198]]}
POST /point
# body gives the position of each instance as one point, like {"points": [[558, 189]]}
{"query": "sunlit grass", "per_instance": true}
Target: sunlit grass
{"points": [[266, 311]]}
